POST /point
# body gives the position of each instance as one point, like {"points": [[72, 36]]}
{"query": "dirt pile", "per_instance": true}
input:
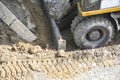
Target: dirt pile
{"points": [[18, 60]]}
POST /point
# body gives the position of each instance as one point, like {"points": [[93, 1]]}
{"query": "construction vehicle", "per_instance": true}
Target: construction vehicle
{"points": [[28, 61], [94, 24]]}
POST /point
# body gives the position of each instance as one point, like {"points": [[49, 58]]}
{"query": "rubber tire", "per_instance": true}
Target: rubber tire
{"points": [[86, 25], [75, 23]]}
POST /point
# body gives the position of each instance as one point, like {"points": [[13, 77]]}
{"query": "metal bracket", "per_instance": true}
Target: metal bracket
{"points": [[61, 43]]}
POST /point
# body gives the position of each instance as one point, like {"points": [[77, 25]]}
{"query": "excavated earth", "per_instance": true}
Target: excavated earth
{"points": [[21, 60]]}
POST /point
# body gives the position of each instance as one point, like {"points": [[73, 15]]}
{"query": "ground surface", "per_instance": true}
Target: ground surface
{"points": [[20, 60]]}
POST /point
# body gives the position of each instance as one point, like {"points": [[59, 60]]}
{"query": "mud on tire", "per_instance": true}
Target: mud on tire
{"points": [[93, 32]]}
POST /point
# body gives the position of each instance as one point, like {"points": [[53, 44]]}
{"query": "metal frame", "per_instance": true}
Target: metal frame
{"points": [[59, 41]]}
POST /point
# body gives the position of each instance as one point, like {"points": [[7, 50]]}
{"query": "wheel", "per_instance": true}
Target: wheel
{"points": [[93, 32], [75, 23]]}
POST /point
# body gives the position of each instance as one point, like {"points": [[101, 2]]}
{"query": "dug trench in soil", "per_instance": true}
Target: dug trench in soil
{"points": [[28, 61], [32, 17]]}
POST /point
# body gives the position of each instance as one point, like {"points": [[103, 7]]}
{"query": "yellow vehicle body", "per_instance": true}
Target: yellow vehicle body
{"points": [[96, 12]]}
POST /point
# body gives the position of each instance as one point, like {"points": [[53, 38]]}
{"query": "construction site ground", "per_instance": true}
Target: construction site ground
{"points": [[38, 60]]}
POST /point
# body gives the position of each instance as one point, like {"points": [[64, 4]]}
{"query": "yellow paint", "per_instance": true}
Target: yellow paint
{"points": [[79, 7], [96, 12], [102, 11]]}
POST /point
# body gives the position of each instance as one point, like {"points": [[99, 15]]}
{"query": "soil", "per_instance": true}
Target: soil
{"points": [[20, 60]]}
